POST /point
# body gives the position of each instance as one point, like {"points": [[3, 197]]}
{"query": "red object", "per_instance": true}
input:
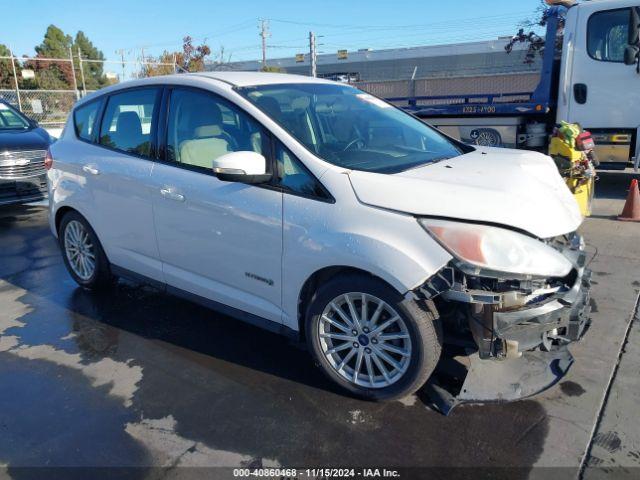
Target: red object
{"points": [[584, 142], [631, 212], [48, 160]]}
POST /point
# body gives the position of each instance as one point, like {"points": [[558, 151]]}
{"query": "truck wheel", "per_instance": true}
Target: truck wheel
{"points": [[488, 137], [82, 253], [370, 340]]}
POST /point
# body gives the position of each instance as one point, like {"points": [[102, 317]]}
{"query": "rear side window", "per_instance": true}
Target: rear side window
{"points": [[127, 121], [84, 120], [608, 35]]}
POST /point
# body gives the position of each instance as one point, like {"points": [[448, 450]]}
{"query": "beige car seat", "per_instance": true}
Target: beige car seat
{"points": [[209, 141]]}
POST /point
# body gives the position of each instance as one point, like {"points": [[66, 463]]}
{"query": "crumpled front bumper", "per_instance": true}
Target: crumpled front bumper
{"points": [[490, 381], [522, 351], [565, 315]]}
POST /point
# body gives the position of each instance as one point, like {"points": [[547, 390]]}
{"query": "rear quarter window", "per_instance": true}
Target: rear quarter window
{"points": [[84, 120]]}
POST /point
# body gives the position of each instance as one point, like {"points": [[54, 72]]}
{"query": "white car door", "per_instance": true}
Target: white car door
{"points": [[118, 174], [218, 240]]}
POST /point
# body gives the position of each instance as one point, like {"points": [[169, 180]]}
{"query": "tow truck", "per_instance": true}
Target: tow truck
{"points": [[590, 76]]}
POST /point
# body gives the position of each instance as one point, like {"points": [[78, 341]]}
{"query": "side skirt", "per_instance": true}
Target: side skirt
{"points": [[235, 313]]}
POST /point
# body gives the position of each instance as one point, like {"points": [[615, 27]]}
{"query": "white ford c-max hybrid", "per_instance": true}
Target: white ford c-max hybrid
{"points": [[316, 210]]}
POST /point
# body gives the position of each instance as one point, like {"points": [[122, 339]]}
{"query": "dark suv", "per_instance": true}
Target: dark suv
{"points": [[23, 146]]}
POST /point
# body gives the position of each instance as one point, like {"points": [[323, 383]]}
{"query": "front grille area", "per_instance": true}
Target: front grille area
{"points": [[16, 165], [22, 191]]}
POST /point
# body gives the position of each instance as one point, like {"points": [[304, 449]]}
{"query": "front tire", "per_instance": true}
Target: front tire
{"points": [[370, 340], [82, 253]]}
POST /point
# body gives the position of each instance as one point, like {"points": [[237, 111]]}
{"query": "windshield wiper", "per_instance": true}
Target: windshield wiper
{"points": [[430, 162]]}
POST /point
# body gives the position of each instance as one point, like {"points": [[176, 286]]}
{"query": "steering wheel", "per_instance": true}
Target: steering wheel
{"points": [[356, 141]]}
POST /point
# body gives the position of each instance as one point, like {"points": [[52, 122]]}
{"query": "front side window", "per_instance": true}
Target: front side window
{"points": [[608, 35], [84, 120], [294, 176], [203, 127], [11, 120], [126, 125], [350, 128]]}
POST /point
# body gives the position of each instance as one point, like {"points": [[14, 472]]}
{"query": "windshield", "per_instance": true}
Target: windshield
{"points": [[11, 119], [350, 128]]}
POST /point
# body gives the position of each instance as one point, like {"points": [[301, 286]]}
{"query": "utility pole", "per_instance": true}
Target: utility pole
{"points": [[73, 73], [84, 85], [264, 34], [143, 62], [313, 54], [15, 79], [121, 53]]}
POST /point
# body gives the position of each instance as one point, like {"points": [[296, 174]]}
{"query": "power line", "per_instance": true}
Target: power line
{"points": [[398, 27], [245, 25]]}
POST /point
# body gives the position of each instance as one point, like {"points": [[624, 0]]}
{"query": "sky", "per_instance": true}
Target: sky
{"points": [[134, 25]]}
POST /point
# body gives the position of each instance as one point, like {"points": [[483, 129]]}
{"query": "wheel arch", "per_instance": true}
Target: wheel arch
{"points": [[324, 275], [60, 213], [63, 210]]}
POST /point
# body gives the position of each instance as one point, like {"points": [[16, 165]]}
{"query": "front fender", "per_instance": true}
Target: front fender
{"points": [[389, 245]]}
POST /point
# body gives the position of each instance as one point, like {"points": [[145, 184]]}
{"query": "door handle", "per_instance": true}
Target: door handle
{"points": [[171, 195], [91, 170], [580, 93]]}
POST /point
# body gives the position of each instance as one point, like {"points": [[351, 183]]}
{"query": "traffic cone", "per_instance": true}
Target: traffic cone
{"points": [[631, 212]]}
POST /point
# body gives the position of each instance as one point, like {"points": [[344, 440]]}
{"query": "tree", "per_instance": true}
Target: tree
{"points": [[193, 57], [534, 42], [93, 71], [163, 65], [6, 70], [55, 44], [51, 74], [190, 59]]}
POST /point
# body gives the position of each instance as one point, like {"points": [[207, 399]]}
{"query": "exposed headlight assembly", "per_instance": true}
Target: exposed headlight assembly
{"points": [[497, 249]]}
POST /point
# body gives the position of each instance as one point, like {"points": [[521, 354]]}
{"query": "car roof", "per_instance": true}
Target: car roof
{"points": [[251, 79], [233, 79]]}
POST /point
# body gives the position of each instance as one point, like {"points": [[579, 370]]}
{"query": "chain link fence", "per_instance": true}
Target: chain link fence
{"points": [[48, 107], [72, 78]]}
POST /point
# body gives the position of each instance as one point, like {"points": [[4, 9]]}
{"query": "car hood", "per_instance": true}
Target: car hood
{"points": [[515, 188], [34, 139]]}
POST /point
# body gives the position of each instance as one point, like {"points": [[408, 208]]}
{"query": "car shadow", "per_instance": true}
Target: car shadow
{"points": [[226, 384]]}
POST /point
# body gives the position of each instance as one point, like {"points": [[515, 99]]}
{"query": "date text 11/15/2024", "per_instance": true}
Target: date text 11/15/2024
{"points": [[315, 473]]}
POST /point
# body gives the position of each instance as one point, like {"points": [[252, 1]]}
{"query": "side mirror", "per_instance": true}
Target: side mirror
{"points": [[631, 53], [242, 167], [634, 27]]}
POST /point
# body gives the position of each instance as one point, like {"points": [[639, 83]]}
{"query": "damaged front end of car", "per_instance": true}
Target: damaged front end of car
{"points": [[506, 334]]}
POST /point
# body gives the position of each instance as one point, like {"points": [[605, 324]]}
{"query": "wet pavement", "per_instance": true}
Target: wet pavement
{"points": [[137, 378]]}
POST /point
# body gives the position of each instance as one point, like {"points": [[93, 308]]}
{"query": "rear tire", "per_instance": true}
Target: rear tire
{"points": [[376, 358], [82, 253]]}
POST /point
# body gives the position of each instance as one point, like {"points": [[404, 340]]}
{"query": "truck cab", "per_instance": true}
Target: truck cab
{"points": [[597, 89], [593, 81]]}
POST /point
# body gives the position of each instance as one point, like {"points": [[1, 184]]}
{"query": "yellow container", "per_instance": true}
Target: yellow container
{"points": [[583, 193], [558, 147]]}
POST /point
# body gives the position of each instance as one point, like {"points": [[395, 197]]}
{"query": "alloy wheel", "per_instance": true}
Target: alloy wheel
{"points": [[365, 340], [79, 250]]}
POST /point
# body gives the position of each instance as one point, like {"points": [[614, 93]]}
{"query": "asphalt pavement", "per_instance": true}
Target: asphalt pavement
{"points": [[137, 382]]}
